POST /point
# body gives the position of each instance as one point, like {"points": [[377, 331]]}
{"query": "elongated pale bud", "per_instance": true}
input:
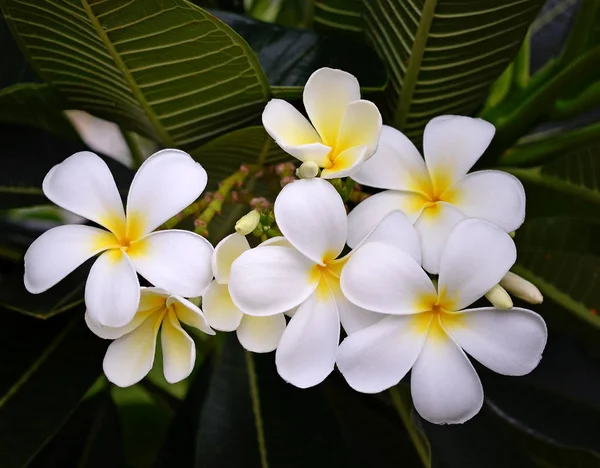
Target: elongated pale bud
{"points": [[521, 288], [307, 170], [499, 297], [247, 223]]}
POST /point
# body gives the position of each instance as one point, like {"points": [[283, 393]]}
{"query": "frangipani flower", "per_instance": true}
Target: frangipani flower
{"points": [[176, 260], [131, 356], [303, 271], [429, 327], [257, 334], [343, 130], [436, 193]]}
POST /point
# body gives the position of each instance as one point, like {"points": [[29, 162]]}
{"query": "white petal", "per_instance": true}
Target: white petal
{"points": [[476, 257], [352, 317], [130, 358], [444, 385], [384, 279], [221, 313], [396, 229], [452, 144], [166, 183], [494, 196], [306, 353], [434, 226], [345, 163], [112, 290], [311, 215], [370, 212], [226, 251], [378, 357], [152, 298], [261, 334], [316, 152], [178, 261], [287, 126], [270, 280], [327, 94], [361, 126], [396, 165], [509, 342], [279, 240], [179, 350], [112, 333], [101, 135], [58, 251], [84, 185], [190, 314]]}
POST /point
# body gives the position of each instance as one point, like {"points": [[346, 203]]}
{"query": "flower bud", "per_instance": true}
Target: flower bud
{"points": [[521, 288], [499, 297], [307, 170], [247, 223]]}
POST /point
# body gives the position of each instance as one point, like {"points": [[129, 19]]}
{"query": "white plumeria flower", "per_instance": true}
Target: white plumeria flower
{"points": [[176, 260], [131, 356], [343, 130], [436, 193], [256, 334], [429, 328], [303, 271]]}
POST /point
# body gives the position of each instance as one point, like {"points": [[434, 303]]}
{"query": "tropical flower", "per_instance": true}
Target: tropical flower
{"points": [[303, 271], [257, 334], [176, 260], [130, 357], [436, 193], [428, 328], [343, 130]]}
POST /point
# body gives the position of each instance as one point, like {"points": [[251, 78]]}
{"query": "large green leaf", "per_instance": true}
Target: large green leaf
{"points": [[443, 55], [15, 68], [163, 68], [49, 367], [341, 15]]}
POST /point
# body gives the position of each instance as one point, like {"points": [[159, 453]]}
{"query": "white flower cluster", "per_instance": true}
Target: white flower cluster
{"points": [[432, 219]]}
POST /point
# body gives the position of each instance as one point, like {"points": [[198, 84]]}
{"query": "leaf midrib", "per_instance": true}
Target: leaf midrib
{"points": [[135, 89], [414, 64]]}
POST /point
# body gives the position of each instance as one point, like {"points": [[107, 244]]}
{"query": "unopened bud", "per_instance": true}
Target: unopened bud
{"points": [[499, 297], [307, 170], [512, 234], [247, 223], [521, 288]]}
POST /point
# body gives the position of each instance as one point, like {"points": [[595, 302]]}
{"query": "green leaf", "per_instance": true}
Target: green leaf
{"points": [[52, 365], [562, 257], [163, 68], [339, 15], [443, 55], [15, 68], [36, 105]]}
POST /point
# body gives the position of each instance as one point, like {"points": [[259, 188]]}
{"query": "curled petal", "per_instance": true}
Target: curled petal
{"points": [[112, 333], [179, 350], [261, 334], [311, 215], [221, 313], [189, 314], [287, 126], [84, 185], [166, 183], [345, 163], [226, 251], [361, 126]]}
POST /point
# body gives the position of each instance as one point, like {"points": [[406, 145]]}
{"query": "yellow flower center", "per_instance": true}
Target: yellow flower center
{"points": [[328, 276], [123, 235], [438, 310]]}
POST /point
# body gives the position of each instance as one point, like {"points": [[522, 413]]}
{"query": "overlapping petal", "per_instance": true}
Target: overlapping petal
{"points": [[476, 257], [190, 314], [444, 385], [378, 357], [270, 280], [178, 261], [226, 251], [287, 126], [221, 313], [345, 162], [84, 185], [58, 251], [509, 342], [360, 126], [166, 183], [112, 333], [352, 317], [129, 358], [452, 145], [312, 217], [494, 196], [327, 94], [261, 334], [178, 349], [396, 165], [306, 353], [384, 279], [112, 290]]}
